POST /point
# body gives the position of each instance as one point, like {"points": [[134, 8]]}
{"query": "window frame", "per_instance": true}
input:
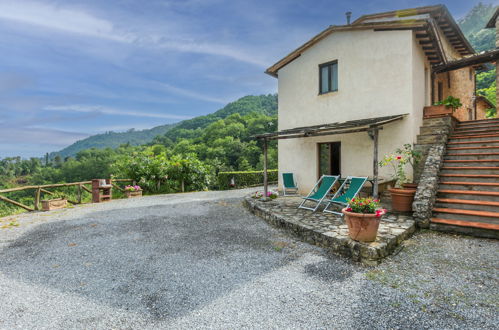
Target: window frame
{"points": [[330, 65]]}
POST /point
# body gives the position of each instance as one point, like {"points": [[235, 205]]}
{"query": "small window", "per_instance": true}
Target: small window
{"points": [[328, 77]]}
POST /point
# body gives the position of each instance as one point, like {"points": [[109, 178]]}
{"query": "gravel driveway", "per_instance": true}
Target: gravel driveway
{"points": [[200, 260]]}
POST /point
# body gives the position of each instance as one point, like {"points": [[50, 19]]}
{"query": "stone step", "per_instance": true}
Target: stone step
{"points": [[474, 216], [473, 138], [469, 185], [467, 204], [431, 139], [479, 122], [472, 162], [474, 149], [468, 177], [469, 170], [476, 132], [491, 196], [431, 130], [471, 156], [479, 143], [465, 227], [477, 127]]}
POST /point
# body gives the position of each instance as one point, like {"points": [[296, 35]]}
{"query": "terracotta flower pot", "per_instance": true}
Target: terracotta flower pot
{"points": [[362, 227], [410, 185], [435, 111], [402, 199]]}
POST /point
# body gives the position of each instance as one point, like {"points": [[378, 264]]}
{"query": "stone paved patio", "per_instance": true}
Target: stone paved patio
{"points": [[330, 231]]}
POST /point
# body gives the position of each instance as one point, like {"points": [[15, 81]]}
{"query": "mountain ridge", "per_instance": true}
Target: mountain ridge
{"points": [[264, 104]]}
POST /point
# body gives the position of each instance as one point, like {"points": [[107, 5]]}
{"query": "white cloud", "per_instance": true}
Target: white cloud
{"points": [[112, 111], [76, 21], [188, 93], [63, 19], [38, 135]]}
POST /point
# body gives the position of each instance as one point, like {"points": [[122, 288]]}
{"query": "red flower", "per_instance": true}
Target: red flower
{"points": [[349, 209], [380, 212], [399, 157]]}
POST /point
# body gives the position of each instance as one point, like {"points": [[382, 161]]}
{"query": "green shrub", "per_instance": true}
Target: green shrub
{"points": [[244, 178]]}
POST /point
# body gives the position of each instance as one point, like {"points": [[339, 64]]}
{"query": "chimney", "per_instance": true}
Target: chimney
{"points": [[349, 14]]}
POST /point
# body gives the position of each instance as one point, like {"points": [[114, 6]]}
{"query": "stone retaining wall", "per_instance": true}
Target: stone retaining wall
{"points": [[330, 232], [435, 131], [424, 200]]}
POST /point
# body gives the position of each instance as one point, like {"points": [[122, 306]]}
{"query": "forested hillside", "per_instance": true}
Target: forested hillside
{"points": [[187, 159], [482, 39], [113, 140], [473, 27], [262, 104]]}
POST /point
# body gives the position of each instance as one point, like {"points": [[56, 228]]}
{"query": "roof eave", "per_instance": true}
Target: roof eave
{"points": [[338, 28], [492, 21]]}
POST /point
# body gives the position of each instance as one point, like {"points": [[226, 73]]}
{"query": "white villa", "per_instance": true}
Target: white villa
{"points": [[380, 67]]}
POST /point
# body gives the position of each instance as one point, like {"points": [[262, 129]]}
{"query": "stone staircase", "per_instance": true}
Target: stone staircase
{"points": [[467, 200]]}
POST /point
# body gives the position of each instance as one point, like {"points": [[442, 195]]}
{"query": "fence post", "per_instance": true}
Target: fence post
{"points": [[37, 198], [78, 193]]}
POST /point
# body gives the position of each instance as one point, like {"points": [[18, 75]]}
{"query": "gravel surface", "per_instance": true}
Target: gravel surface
{"points": [[200, 260]]}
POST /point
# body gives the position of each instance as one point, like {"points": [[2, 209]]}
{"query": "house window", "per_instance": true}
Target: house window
{"points": [[328, 77]]}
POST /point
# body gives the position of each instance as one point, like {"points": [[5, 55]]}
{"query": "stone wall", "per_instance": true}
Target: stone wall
{"points": [[481, 108], [461, 84], [435, 131], [424, 200]]}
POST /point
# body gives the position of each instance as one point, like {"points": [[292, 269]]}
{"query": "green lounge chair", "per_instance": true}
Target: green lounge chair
{"points": [[341, 197], [289, 184], [319, 192]]}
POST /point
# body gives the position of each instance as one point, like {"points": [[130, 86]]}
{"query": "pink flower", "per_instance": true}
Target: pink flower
{"points": [[380, 212]]}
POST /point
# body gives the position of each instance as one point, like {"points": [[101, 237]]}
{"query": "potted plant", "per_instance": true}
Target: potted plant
{"points": [[362, 217], [404, 191], [270, 194], [442, 108], [413, 158], [133, 191]]}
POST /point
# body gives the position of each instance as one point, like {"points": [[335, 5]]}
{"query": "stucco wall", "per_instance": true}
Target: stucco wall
{"points": [[375, 78]]}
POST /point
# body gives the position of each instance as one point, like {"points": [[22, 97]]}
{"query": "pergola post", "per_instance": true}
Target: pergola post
{"points": [[265, 177], [374, 135]]}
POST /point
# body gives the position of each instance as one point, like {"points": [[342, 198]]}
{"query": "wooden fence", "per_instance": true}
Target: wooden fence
{"points": [[38, 190]]}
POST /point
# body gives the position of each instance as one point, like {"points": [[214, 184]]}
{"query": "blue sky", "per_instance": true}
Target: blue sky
{"points": [[70, 68]]}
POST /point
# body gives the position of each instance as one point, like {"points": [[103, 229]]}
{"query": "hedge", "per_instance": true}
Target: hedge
{"points": [[244, 178]]}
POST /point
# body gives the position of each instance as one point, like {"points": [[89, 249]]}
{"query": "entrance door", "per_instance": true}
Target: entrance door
{"points": [[329, 158]]}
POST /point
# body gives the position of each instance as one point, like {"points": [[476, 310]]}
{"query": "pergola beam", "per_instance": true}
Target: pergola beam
{"points": [[372, 126]]}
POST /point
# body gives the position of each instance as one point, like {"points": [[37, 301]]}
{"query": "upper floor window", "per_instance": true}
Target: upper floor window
{"points": [[328, 77]]}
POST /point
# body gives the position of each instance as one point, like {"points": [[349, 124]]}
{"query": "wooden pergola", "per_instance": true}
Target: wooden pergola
{"points": [[370, 125]]}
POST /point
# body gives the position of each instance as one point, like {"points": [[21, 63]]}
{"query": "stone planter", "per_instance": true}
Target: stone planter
{"points": [[132, 194], [362, 227], [402, 199], [54, 204], [435, 111]]}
